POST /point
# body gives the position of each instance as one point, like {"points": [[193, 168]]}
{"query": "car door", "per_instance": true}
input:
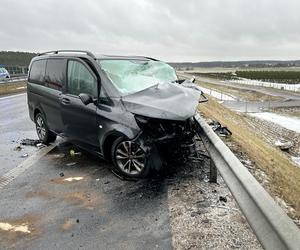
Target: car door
{"points": [[79, 120], [54, 81]]}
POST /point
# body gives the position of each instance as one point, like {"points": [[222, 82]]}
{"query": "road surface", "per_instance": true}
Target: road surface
{"points": [[51, 200], [15, 125]]}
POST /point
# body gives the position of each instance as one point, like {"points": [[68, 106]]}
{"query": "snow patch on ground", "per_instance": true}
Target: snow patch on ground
{"points": [[291, 123], [218, 95], [296, 160], [291, 87]]}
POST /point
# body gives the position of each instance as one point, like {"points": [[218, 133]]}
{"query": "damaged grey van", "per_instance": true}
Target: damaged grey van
{"points": [[130, 110]]}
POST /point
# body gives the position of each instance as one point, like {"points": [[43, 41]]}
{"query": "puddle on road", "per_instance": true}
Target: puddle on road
{"points": [[73, 179], [24, 228]]}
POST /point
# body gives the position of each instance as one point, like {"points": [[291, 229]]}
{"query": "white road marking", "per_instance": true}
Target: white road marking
{"points": [[11, 96], [22, 167]]}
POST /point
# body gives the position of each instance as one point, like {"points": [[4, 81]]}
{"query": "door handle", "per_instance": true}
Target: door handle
{"points": [[65, 101]]}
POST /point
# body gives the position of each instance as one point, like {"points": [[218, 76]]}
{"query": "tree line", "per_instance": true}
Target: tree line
{"points": [[270, 75], [12, 58]]}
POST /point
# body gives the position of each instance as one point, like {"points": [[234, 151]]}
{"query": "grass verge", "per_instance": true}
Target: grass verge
{"points": [[284, 176], [10, 88]]}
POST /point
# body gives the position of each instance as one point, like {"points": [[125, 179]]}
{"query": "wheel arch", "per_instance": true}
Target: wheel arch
{"points": [[108, 141]]}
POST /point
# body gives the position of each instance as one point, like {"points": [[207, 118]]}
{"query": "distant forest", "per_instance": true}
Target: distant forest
{"points": [[234, 64], [11, 58]]}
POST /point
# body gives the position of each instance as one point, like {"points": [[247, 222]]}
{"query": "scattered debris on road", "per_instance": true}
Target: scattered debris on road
{"points": [[70, 164], [58, 155], [30, 142], [18, 148], [284, 144], [73, 153], [219, 129], [40, 145], [223, 198]]}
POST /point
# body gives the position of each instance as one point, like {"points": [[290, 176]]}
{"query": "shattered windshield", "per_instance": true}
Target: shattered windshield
{"points": [[130, 76]]}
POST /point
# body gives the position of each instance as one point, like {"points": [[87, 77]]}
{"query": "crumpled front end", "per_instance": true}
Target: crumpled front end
{"points": [[166, 140]]}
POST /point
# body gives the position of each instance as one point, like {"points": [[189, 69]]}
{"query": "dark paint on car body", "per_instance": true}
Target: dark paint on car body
{"points": [[75, 98]]}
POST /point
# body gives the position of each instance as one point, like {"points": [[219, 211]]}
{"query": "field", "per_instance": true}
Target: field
{"points": [[290, 75], [273, 76], [284, 176]]}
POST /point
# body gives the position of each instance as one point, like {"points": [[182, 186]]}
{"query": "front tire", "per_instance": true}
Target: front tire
{"points": [[129, 158], [43, 132]]}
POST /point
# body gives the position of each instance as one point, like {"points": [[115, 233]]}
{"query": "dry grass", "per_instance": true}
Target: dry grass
{"points": [[10, 88], [284, 176]]}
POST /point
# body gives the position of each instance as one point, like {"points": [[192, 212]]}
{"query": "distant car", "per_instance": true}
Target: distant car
{"points": [[4, 74], [130, 110]]}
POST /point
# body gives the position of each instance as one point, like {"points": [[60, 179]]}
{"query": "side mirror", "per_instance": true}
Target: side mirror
{"points": [[86, 98], [193, 79]]}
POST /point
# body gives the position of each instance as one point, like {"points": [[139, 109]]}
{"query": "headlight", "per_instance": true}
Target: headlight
{"points": [[141, 120]]}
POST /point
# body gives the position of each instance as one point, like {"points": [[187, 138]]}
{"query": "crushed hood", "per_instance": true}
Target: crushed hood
{"points": [[164, 101]]}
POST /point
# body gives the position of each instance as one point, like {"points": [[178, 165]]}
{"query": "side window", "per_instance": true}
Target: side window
{"points": [[80, 80], [37, 71], [55, 73]]}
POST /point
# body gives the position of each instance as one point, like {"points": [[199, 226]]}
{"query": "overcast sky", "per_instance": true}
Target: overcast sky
{"points": [[171, 30]]}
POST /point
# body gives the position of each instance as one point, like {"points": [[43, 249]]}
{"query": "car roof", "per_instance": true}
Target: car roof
{"points": [[116, 57], [87, 54]]}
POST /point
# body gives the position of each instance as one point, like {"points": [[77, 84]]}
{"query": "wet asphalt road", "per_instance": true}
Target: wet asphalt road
{"points": [[96, 210], [15, 125]]}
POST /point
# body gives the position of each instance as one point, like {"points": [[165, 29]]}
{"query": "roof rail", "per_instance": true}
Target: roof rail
{"points": [[151, 58], [63, 51]]}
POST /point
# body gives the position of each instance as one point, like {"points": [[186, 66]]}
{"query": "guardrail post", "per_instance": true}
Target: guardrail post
{"points": [[213, 172]]}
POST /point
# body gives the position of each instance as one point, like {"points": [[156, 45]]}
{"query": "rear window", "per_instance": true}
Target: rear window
{"points": [[54, 76], [37, 71]]}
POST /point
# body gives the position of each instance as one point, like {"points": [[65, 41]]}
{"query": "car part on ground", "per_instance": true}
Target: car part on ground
{"points": [[219, 129]]}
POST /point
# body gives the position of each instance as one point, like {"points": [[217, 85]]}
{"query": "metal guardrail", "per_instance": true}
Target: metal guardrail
{"points": [[273, 228], [13, 79]]}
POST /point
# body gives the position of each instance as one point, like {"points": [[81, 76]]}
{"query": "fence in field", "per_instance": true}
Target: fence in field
{"points": [[239, 104], [283, 86]]}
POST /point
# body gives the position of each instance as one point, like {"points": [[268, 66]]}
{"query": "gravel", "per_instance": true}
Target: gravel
{"points": [[204, 215]]}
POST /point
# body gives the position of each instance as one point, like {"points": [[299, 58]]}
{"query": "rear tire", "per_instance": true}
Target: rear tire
{"points": [[129, 159], [43, 132]]}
